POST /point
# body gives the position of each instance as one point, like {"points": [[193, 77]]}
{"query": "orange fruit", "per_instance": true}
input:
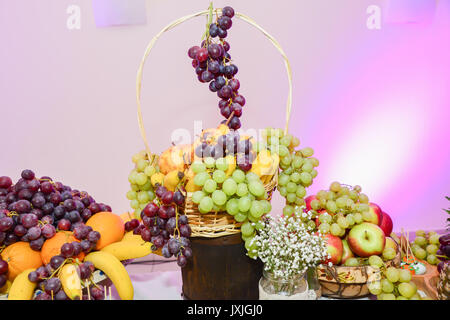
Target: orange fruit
{"points": [[110, 226], [20, 257], [52, 246]]}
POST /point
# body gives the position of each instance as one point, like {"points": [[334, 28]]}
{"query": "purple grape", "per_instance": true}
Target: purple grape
{"points": [[158, 241], [94, 208], [93, 236], [25, 194], [23, 206], [228, 11], [47, 187], [178, 198], [85, 271], [38, 201], [182, 220], [185, 242], [86, 245], [64, 224], [6, 224], [10, 239], [222, 33], [53, 285], [61, 295], [37, 244], [33, 276], [187, 252], [234, 123], [48, 208], [48, 231], [27, 174], [166, 252], [67, 250], [97, 293], [174, 246], [213, 30], [171, 224], [185, 230], [5, 182], [181, 261], [57, 261], [33, 185], [20, 230], [225, 22]]}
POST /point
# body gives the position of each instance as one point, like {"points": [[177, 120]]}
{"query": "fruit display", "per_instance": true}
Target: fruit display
{"points": [[443, 254], [49, 241]]}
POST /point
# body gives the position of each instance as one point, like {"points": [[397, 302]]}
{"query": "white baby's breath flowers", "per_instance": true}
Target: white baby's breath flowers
{"points": [[287, 245]]}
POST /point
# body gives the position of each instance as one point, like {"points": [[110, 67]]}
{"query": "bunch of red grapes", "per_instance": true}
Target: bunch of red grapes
{"points": [[443, 253], [164, 226], [33, 210], [212, 64]]}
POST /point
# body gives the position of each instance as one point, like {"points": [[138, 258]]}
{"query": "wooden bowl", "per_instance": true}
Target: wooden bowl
{"points": [[427, 282], [350, 282]]}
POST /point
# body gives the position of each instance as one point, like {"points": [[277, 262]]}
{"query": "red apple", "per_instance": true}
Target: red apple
{"points": [[386, 224], [334, 249], [375, 214], [308, 200], [366, 239], [347, 253]]}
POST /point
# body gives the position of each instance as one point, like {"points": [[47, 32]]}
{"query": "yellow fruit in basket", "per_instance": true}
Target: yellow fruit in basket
{"points": [[157, 178], [132, 248], [127, 216], [190, 185], [110, 226], [6, 287], [172, 179], [115, 271], [70, 281], [231, 161], [176, 158], [21, 287], [20, 257]]}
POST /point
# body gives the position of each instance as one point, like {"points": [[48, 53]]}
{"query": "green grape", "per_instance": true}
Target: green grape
{"points": [[326, 217], [198, 166], [311, 225], [305, 178], [151, 195], [353, 195], [232, 206], [283, 179], [219, 176], [222, 164], [340, 202], [387, 286], [240, 216], [404, 275], [137, 157], [389, 296], [150, 170], [335, 229], [141, 178], [331, 206], [297, 162], [288, 210], [286, 140], [209, 162], [295, 177], [295, 142], [289, 171], [342, 222], [406, 290], [315, 204], [324, 227], [219, 197], [421, 241], [147, 186], [283, 191], [230, 186], [244, 204], [134, 204], [256, 209], [350, 219], [314, 162], [141, 165], [432, 248], [285, 168], [238, 176], [251, 176], [432, 259], [250, 244], [335, 186], [342, 234], [313, 173], [363, 198], [247, 228], [291, 187], [358, 217], [131, 195], [201, 178], [420, 253], [286, 160], [415, 297], [291, 197], [142, 206], [376, 261], [259, 225], [389, 253], [421, 233], [210, 186], [197, 196], [362, 207], [434, 239], [401, 298], [132, 177], [307, 167], [241, 189], [283, 151], [143, 197], [256, 188], [367, 216], [206, 205], [351, 262], [307, 152], [374, 287], [392, 274], [134, 187], [266, 205], [300, 202]]}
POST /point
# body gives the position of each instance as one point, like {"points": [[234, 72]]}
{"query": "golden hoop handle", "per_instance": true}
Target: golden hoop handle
{"points": [[188, 17]]}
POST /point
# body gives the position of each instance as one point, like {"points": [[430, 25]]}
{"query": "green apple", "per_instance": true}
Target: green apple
{"points": [[366, 239]]}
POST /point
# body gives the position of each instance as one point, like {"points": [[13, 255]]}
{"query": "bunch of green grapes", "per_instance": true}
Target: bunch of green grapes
{"points": [[297, 167], [142, 191], [393, 283], [426, 246], [340, 208], [240, 194]]}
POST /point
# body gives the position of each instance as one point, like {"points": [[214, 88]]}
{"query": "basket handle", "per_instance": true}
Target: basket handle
{"points": [[188, 17]]}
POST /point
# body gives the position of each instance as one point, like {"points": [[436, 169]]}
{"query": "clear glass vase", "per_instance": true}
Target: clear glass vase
{"points": [[294, 288]]}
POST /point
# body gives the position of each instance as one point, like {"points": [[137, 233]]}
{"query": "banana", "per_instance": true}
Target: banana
{"points": [[157, 178], [22, 288], [172, 179], [70, 281], [129, 249], [231, 161], [129, 236], [6, 287], [115, 270], [190, 185]]}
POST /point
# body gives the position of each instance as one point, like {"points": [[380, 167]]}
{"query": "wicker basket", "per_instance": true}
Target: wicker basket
{"points": [[213, 224], [350, 282]]}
